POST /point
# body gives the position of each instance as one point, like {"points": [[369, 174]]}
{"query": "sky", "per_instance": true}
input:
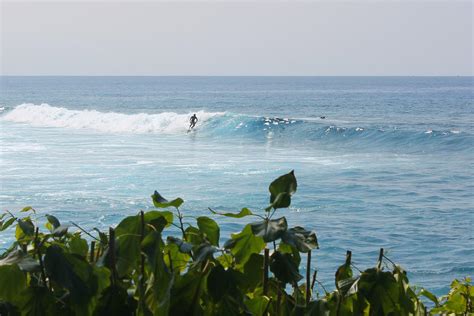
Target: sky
{"points": [[260, 37]]}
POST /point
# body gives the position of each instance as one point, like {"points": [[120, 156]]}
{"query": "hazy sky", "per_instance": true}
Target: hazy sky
{"points": [[237, 38]]}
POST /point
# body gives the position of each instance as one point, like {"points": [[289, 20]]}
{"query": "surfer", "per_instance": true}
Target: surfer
{"points": [[192, 121]]}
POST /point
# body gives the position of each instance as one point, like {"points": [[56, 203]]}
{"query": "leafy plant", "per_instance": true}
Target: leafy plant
{"points": [[131, 270]]}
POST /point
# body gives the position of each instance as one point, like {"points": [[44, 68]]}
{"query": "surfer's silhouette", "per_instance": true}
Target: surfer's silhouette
{"points": [[192, 121]]}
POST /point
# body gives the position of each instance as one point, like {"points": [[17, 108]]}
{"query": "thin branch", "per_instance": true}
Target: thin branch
{"points": [[84, 231]]}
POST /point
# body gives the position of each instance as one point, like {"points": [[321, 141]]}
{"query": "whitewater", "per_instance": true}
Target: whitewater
{"points": [[381, 162]]}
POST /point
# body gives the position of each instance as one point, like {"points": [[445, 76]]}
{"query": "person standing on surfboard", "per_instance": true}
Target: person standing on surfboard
{"points": [[192, 120]]}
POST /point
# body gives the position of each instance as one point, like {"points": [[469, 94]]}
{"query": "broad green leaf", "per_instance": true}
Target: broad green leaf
{"points": [[60, 231], [26, 209], [115, 301], [127, 234], [270, 230], [281, 190], [344, 272], [37, 301], [71, 272], [194, 235], [102, 274], [258, 305], [252, 276], [293, 251], [225, 260], [27, 226], [25, 262], [12, 282], [160, 284], [203, 252], [161, 202], [53, 220], [243, 212], [151, 216], [210, 229], [301, 238], [78, 246], [175, 259], [183, 246], [380, 289], [244, 244], [185, 292], [284, 268], [219, 282]]}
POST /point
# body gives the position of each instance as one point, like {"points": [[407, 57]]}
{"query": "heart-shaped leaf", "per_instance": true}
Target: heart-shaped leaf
{"points": [[161, 202], [270, 230], [301, 239]]}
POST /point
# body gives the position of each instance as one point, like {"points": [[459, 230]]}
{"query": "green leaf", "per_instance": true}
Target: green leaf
{"points": [[282, 189], [115, 301], [25, 262], [12, 282], [27, 227], [175, 259], [26, 209], [219, 282], [187, 287], [37, 301], [71, 272], [78, 246], [245, 243], [301, 238], [193, 235], [161, 202], [344, 280], [284, 268], [183, 246], [203, 252], [258, 305], [253, 272], [128, 234], [243, 212], [152, 216], [210, 229], [7, 224], [102, 236], [159, 299], [380, 289], [270, 230], [60, 230], [53, 220]]}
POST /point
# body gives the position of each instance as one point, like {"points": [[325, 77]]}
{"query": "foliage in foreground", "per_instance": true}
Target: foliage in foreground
{"points": [[131, 270]]}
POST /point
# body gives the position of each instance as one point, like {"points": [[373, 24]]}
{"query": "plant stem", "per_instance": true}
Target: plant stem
{"points": [[92, 251], [265, 271], [84, 231], [142, 265], [379, 264], [181, 226], [171, 262], [308, 278], [38, 254], [112, 255], [313, 281]]}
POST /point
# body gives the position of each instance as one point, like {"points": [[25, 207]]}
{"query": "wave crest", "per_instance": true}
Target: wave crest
{"points": [[50, 116]]}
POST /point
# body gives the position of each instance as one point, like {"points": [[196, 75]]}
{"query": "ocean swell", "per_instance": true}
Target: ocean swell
{"points": [[219, 124]]}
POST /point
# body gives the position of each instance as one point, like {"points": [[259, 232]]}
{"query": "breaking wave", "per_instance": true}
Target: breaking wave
{"points": [[220, 124]]}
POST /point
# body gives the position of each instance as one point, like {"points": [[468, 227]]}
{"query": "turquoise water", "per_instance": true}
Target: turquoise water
{"points": [[390, 165]]}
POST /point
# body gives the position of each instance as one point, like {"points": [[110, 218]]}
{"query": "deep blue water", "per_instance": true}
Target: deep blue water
{"points": [[390, 165]]}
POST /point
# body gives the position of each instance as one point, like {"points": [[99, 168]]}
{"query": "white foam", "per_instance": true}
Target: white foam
{"points": [[45, 115]]}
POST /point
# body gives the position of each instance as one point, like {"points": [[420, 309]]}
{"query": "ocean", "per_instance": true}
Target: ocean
{"points": [[380, 161]]}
